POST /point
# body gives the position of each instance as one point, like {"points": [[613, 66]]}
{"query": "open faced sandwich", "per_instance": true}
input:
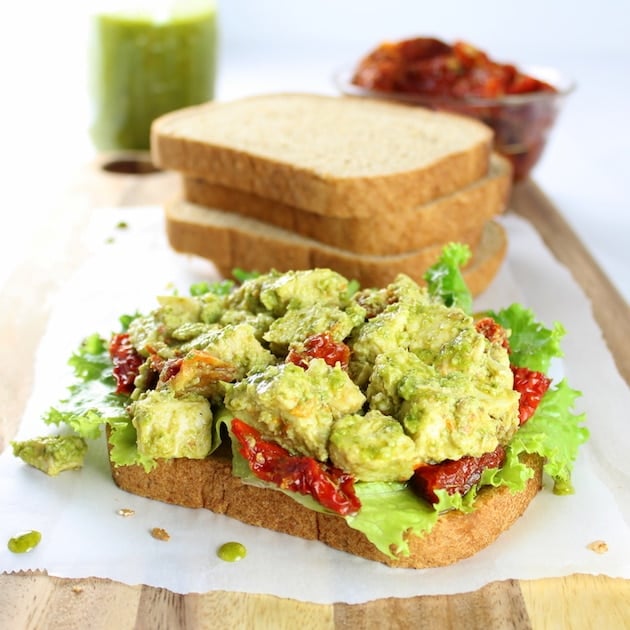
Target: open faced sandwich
{"points": [[391, 423]]}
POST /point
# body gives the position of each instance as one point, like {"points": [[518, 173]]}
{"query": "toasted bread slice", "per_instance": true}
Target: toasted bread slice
{"points": [[209, 483], [336, 156], [457, 216], [230, 241]]}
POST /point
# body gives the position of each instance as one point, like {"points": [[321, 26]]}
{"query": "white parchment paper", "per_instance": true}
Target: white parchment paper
{"points": [[83, 536]]}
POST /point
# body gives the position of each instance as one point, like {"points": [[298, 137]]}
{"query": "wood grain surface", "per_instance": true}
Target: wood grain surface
{"points": [[37, 601]]}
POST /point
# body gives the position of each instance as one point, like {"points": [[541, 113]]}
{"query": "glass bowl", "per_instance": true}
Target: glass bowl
{"points": [[521, 122]]}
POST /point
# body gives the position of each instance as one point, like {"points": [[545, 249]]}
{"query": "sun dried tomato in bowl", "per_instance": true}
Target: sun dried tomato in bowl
{"points": [[520, 106]]}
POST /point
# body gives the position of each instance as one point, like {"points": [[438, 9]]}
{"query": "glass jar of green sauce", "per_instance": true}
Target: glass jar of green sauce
{"points": [[146, 60]]}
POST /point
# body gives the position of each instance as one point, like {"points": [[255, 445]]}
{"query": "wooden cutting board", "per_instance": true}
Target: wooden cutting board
{"points": [[38, 601]]}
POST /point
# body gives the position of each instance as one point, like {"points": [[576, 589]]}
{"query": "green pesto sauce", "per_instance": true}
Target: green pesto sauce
{"points": [[142, 68], [232, 551], [563, 487], [24, 542]]}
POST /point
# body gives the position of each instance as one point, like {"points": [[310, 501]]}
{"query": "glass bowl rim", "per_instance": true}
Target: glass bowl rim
{"points": [[563, 85]]}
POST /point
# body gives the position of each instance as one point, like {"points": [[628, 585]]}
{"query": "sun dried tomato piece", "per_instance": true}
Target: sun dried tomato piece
{"points": [[531, 386], [427, 66], [331, 487], [492, 331], [458, 475], [170, 369], [127, 362], [321, 346]]}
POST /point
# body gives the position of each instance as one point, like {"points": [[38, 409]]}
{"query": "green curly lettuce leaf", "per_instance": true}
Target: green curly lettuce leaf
{"points": [[124, 448], [532, 345], [242, 275], [220, 287], [92, 400], [445, 280], [554, 432]]}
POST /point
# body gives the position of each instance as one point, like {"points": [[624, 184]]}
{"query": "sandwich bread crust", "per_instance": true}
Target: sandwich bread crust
{"points": [[230, 241], [458, 216], [209, 483]]}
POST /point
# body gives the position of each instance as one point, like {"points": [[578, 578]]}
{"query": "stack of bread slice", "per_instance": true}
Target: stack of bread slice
{"points": [[369, 188]]}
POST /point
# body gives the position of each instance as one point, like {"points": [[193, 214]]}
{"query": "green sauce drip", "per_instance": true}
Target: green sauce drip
{"points": [[562, 487], [232, 551], [24, 542]]}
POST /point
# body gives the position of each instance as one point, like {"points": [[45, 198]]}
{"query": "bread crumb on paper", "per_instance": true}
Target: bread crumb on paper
{"points": [[160, 534], [126, 512], [598, 546]]}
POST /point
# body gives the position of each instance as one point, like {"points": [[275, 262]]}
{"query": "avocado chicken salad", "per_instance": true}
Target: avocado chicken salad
{"points": [[387, 406]]}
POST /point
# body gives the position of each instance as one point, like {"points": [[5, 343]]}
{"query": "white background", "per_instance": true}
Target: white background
{"points": [[297, 45]]}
